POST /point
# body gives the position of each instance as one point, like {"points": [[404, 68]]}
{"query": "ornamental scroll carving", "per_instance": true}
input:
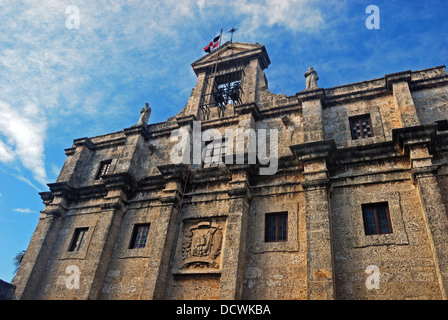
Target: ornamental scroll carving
{"points": [[202, 246]]}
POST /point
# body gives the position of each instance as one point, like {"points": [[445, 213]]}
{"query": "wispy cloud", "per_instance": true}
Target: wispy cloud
{"points": [[24, 130], [21, 210]]}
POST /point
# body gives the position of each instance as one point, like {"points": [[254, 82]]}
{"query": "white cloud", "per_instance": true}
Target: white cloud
{"points": [[295, 15], [20, 210], [6, 153], [254, 15], [24, 129]]}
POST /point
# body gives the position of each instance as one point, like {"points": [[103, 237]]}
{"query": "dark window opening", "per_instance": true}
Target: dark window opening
{"points": [[361, 127], [376, 218], [442, 125], [227, 89], [223, 86], [139, 236], [78, 240], [276, 227], [104, 169]]}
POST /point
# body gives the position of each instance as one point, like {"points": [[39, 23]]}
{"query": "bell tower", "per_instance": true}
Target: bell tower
{"points": [[227, 77]]}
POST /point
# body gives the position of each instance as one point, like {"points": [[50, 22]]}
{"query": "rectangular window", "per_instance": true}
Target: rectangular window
{"points": [[139, 236], [104, 168], [214, 152], [361, 127], [78, 240], [276, 227], [376, 218]]}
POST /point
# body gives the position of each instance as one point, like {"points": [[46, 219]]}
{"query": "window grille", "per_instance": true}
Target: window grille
{"points": [[361, 127], [104, 169], [223, 87]]}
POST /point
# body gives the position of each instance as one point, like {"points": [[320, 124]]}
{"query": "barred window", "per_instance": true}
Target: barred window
{"points": [[228, 89], [276, 227], [376, 218], [139, 236], [214, 151], [78, 240], [104, 168], [361, 127]]}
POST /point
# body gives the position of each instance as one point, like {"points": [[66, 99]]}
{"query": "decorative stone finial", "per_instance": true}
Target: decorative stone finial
{"points": [[311, 79]]}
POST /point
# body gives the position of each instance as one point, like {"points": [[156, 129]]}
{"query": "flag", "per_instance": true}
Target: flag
{"points": [[212, 45]]}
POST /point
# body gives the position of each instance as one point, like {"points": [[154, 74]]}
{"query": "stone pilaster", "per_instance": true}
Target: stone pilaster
{"points": [[234, 252], [319, 243], [436, 221], [37, 254], [32, 267], [158, 267], [399, 84], [416, 141], [313, 102], [101, 247], [77, 159]]}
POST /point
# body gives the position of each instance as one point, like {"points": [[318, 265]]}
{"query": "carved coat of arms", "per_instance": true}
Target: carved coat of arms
{"points": [[202, 245]]}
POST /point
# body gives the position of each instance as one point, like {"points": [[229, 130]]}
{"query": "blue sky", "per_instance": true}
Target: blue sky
{"points": [[58, 84]]}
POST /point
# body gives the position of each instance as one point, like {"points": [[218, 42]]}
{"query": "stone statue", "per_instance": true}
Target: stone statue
{"points": [[311, 79], [144, 115]]}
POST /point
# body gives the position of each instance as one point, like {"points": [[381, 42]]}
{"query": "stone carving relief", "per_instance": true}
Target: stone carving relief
{"points": [[202, 246]]}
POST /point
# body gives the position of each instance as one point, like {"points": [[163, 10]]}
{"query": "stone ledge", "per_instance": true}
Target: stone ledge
{"points": [[250, 108], [404, 137], [137, 130], [403, 76], [323, 149], [306, 95]]}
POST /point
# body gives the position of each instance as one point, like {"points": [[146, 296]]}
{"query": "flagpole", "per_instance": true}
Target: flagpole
{"points": [[217, 58], [217, 55]]}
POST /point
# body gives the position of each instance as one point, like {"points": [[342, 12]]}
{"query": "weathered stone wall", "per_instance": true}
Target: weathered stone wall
{"points": [[266, 276], [383, 115], [404, 258]]}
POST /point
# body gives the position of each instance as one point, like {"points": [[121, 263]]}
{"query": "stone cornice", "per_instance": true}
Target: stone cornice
{"points": [[404, 76], [249, 108], [323, 149], [238, 51], [172, 172], [62, 189], [122, 180], [316, 94], [137, 130], [423, 134], [186, 120]]}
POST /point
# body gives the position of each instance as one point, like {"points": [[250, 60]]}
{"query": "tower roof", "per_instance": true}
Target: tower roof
{"points": [[231, 51]]}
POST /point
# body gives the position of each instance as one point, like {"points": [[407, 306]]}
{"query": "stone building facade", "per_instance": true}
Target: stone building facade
{"points": [[356, 207]]}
